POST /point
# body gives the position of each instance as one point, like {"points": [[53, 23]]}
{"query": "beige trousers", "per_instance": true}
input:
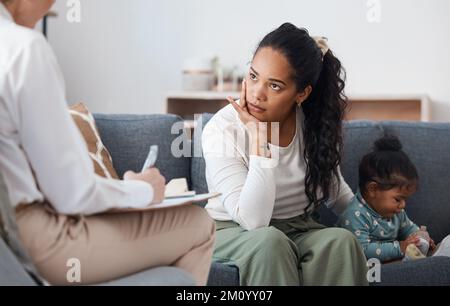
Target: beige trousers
{"points": [[113, 245]]}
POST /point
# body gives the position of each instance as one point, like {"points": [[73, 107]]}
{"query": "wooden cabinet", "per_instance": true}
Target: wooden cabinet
{"points": [[403, 108], [413, 108]]}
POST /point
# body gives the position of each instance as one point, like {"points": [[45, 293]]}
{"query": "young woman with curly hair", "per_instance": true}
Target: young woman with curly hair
{"points": [[275, 155]]}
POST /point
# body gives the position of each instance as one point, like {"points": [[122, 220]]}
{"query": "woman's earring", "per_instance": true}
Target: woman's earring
{"points": [[299, 103]]}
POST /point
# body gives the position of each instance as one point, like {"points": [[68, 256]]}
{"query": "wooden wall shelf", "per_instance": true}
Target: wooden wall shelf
{"points": [[402, 108], [378, 108]]}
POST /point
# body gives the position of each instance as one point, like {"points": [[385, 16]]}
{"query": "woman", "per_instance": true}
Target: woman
{"points": [[291, 111], [57, 197]]}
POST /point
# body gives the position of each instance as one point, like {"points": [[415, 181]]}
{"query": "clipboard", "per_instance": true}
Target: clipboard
{"points": [[171, 202]]}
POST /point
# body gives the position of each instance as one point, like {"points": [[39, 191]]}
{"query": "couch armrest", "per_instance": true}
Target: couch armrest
{"points": [[11, 271]]}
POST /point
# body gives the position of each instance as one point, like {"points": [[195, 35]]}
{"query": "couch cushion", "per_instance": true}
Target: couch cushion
{"points": [[358, 140], [162, 276], [223, 275], [198, 178], [198, 163], [128, 139], [432, 271]]}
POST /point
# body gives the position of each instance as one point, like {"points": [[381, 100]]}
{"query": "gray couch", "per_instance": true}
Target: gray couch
{"points": [[128, 137]]}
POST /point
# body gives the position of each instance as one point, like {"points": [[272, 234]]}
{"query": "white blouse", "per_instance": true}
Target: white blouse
{"points": [[42, 154], [256, 189]]}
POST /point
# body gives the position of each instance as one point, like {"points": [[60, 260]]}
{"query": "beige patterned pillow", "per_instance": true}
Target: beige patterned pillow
{"points": [[97, 151]]}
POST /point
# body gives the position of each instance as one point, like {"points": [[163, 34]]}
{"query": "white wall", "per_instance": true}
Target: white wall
{"points": [[125, 55]]}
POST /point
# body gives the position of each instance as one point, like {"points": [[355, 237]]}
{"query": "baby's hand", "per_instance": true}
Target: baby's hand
{"points": [[432, 245], [413, 239]]}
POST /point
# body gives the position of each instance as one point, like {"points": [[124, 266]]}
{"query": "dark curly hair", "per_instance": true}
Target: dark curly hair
{"points": [[323, 110], [387, 165]]}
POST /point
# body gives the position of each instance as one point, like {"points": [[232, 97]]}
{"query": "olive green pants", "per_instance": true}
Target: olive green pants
{"points": [[296, 251]]}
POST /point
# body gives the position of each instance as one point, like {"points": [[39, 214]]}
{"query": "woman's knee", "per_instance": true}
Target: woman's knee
{"points": [[341, 236], [272, 240], [200, 218]]}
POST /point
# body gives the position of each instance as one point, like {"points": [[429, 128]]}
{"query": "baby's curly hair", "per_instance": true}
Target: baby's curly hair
{"points": [[388, 166]]}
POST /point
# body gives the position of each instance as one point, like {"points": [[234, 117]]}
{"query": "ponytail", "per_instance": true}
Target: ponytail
{"points": [[324, 112], [315, 65]]}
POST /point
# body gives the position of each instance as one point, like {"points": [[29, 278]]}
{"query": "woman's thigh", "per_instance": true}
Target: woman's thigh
{"points": [[234, 242]]}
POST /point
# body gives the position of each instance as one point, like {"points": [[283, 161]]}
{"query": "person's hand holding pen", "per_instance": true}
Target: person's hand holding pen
{"points": [[150, 175]]}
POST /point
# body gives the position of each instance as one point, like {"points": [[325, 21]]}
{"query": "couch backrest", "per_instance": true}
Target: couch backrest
{"points": [[428, 146], [198, 178], [128, 139]]}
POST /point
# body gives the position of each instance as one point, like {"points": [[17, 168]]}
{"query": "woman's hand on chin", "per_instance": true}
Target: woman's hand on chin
{"points": [[256, 128], [242, 109]]}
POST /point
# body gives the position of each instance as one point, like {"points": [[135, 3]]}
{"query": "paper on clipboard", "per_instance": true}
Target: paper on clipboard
{"points": [[185, 200], [172, 202], [178, 188]]}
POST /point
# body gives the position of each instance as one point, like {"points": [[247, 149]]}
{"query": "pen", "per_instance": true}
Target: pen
{"points": [[151, 158]]}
